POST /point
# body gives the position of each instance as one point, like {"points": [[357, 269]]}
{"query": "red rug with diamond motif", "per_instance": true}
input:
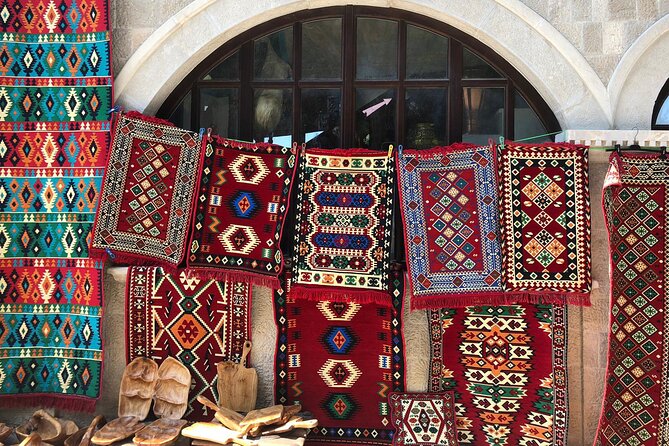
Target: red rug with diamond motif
{"points": [[199, 322]]}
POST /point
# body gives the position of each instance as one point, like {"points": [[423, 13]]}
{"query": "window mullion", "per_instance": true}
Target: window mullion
{"points": [[455, 107], [348, 94], [246, 91]]}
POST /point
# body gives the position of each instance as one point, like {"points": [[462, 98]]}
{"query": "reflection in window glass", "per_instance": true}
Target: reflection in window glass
{"points": [[219, 110], [425, 114], [483, 114], [374, 117], [273, 56], [273, 115], [181, 115], [526, 123], [321, 119], [663, 115], [476, 68], [228, 70], [427, 54], [376, 48], [321, 49]]}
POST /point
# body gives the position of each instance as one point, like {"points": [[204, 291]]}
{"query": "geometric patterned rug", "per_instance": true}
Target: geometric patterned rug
{"points": [[55, 92], [636, 199], [199, 322], [507, 367], [340, 361], [545, 206], [451, 218]]}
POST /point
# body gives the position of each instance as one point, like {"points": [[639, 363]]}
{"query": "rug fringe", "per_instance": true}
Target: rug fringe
{"points": [[346, 152], [252, 278], [130, 259], [151, 119], [499, 299], [340, 295], [69, 403], [549, 297]]}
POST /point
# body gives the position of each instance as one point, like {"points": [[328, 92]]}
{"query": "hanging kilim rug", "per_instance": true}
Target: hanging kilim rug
{"points": [[243, 200], [344, 226], [507, 367], [340, 361], [197, 321], [635, 409], [55, 93], [148, 192], [450, 210], [545, 228]]}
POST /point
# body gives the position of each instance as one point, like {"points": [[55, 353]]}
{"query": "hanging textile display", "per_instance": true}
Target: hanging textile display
{"points": [[635, 208], [55, 90], [450, 211], [343, 229], [148, 193], [197, 321], [340, 361], [507, 367], [423, 419], [545, 228], [243, 200]]}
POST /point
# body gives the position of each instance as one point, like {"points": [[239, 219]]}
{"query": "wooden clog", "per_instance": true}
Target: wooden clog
{"points": [[42, 423], [137, 388], [211, 432], [161, 432], [117, 430], [83, 436]]}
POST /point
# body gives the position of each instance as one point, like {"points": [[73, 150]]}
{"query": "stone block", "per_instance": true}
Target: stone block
{"points": [[646, 9], [622, 9], [581, 11], [613, 35], [592, 38]]}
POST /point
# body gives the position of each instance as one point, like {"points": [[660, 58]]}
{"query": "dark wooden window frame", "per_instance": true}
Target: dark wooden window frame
{"points": [[659, 102], [512, 81]]}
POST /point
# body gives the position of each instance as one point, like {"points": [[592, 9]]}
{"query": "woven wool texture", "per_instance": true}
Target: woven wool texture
{"points": [[148, 194], [344, 226], [423, 419], [243, 200], [545, 207], [340, 361], [55, 91], [450, 211], [197, 321], [507, 368], [635, 204]]}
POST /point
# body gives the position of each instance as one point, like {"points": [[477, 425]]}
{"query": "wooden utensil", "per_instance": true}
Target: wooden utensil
{"points": [[171, 392], [289, 412], [161, 432], [237, 385], [261, 417], [293, 423], [137, 387], [42, 423], [227, 417], [83, 436], [5, 431], [117, 430], [212, 432]]}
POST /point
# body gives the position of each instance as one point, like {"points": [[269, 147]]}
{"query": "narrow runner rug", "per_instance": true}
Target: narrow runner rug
{"points": [[55, 92], [635, 409], [450, 210], [545, 205], [340, 361], [344, 226], [197, 321], [243, 200], [507, 367]]}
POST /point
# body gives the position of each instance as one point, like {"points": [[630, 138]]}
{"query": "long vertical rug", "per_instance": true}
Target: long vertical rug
{"points": [[450, 211], [243, 200], [55, 92], [507, 367], [340, 360], [197, 321], [545, 206], [344, 226], [635, 208]]}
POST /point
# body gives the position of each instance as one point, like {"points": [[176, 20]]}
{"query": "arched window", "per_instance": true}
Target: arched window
{"points": [[358, 77], [661, 109]]}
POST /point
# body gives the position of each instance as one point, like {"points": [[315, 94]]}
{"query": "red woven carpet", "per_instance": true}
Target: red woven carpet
{"points": [[340, 361], [507, 367], [199, 322], [635, 409]]}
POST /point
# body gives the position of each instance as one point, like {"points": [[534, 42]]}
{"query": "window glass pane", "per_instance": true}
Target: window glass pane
{"points": [[663, 115], [425, 110], [376, 48], [273, 56], [483, 114], [219, 110], [526, 123], [321, 120], [273, 115], [476, 68], [427, 54], [181, 115], [374, 117], [228, 70], [321, 49]]}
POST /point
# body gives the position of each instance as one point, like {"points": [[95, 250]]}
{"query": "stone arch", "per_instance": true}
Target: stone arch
{"points": [[638, 77], [551, 64]]}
